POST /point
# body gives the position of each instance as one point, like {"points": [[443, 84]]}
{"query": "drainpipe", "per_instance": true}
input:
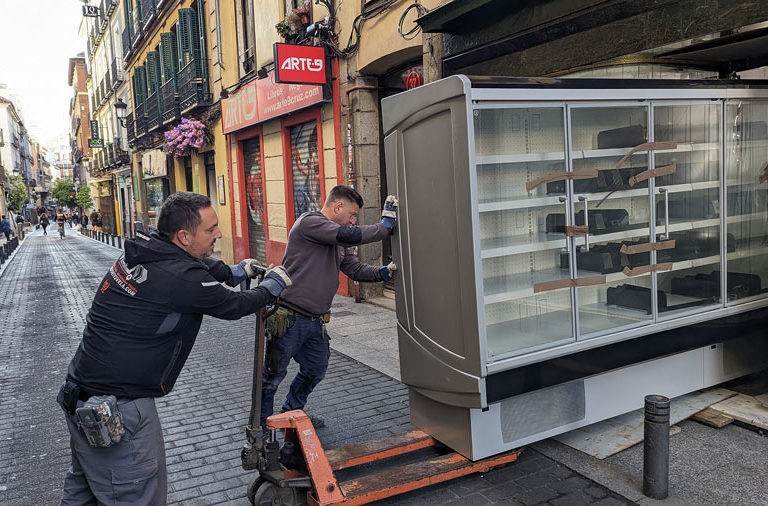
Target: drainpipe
{"points": [[351, 175]]}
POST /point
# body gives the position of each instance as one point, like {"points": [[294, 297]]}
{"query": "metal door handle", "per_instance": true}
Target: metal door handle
{"points": [[583, 198], [664, 192]]}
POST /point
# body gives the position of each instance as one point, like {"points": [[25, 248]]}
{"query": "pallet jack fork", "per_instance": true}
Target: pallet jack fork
{"points": [[302, 472], [313, 482]]}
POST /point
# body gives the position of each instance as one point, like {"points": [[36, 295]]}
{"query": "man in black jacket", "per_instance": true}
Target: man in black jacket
{"points": [[139, 332]]}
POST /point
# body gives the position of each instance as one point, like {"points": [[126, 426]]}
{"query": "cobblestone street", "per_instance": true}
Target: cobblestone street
{"points": [[45, 292]]}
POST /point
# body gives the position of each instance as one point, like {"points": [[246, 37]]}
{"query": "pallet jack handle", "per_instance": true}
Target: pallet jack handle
{"points": [[253, 430]]}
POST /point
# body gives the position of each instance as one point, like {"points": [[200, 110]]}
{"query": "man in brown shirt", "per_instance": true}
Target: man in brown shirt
{"points": [[316, 252]]}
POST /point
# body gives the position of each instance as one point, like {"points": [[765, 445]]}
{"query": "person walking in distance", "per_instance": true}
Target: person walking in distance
{"points": [[44, 223], [316, 252], [138, 334], [5, 228]]}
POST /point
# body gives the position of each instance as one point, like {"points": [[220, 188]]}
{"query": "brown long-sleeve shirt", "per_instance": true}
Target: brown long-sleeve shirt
{"points": [[316, 252]]}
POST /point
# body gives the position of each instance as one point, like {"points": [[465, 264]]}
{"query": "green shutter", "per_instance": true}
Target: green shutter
{"points": [[182, 32], [127, 15], [168, 57], [140, 87], [153, 71], [202, 51]]}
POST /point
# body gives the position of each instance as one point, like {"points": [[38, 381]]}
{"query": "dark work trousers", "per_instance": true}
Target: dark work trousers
{"points": [[306, 342], [129, 472], [7, 236]]}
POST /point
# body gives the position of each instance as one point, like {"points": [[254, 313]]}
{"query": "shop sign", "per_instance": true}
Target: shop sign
{"points": [[297, 64], [95, 143], [265, 99], [413, 77], [94, 129]]}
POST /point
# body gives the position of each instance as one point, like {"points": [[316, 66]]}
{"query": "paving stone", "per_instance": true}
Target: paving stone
{"points": [[577, 498]]}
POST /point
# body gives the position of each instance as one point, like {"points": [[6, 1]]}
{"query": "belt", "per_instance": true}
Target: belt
{"points": [[325, 317]]}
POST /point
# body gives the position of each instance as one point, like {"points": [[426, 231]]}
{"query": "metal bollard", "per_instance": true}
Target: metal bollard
{"points": [[656, 447], [119, 242], [111, 240]]}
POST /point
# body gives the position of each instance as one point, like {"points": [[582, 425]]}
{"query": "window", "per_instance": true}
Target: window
{"points": [[305, 168], [245, 36]]}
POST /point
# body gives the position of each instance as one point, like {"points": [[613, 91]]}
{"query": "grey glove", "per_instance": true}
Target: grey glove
{"points": [[276, 280]]}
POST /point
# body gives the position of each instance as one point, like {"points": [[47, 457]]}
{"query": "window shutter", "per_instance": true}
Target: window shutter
{"points": [[127, 14], [182, 32], [140, 86], [168, 57], [153, 72]]}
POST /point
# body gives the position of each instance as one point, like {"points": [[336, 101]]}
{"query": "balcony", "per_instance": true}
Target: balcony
{"points": [[193, 88], [122, 156], [136, 33], [109, 155], [154, 114], [15, 141], [147, 12], [140, 121], [129, 127], [169, 99], [127, 36], [118, 74], [108, 83]]}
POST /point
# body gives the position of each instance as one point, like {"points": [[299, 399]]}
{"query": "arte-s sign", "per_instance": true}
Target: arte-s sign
{"points": [[298, 64]]}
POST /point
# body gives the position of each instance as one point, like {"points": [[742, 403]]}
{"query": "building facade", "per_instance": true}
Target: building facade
{"points": [[15, 154]]}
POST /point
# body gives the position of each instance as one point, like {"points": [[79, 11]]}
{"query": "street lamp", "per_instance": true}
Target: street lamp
{"points": [[120, 109]]}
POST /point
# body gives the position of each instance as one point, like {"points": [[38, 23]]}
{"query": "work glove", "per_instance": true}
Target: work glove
{"points": [[243, 270], [389, 213], [387, 272], [276, 280]]}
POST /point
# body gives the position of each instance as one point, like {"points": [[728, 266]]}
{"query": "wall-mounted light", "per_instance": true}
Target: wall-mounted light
{"points": [[120, 110]]}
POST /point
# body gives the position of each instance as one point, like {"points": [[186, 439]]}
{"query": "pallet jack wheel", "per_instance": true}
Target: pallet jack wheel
{"points": [[253, 487], [269, 494]]}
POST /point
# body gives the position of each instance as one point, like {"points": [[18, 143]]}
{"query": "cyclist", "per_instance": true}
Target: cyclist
{"points": [[60, 219]]}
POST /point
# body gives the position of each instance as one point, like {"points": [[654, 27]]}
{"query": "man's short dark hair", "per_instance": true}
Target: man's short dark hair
{"points": [[343, 192], [181, 211]]}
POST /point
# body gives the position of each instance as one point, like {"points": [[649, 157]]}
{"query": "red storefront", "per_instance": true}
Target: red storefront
{"points": [[267, 199]]}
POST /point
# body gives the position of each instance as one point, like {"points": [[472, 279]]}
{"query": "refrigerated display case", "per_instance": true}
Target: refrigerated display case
{"points": [[566, 247]]}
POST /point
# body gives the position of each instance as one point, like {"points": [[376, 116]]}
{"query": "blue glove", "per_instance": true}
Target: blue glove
{"points": [[389, 213], [239, 273], [387, 272], [276, 280]]}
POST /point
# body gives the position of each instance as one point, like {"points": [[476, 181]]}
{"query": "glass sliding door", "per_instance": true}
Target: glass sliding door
{"points": [[746, 199], [687, 199], [522, 189], [612, 217]]}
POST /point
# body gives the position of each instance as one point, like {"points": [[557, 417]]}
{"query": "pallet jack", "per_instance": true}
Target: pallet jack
{"points": [[301, 472]]}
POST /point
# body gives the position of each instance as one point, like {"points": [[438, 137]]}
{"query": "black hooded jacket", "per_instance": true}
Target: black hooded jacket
{"points": [[145, 317]]}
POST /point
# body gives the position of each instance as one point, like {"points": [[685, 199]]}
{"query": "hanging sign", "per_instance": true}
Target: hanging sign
{"points": [[413, 77], [95, 143], [299, 64], [91, 11], [94, 129]]}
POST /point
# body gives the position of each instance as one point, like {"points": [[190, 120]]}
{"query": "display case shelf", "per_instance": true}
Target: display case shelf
{"points": [[578, 154]]}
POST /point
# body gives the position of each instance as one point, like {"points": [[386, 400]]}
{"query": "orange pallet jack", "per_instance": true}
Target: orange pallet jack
{"points": [[302, 472]]}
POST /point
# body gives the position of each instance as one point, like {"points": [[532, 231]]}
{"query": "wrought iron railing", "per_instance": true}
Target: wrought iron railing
{"points": [[193, 90], [147, 12], [129, 127], [170, 102], [154, 118], [140, 120], [118, 74], [108, 83], [127, 36]]}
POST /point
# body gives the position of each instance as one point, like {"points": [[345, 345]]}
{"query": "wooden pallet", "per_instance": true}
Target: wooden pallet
{"points": [[743, 408]]}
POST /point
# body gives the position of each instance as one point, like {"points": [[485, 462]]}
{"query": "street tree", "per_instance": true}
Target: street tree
{"points": [[18, 194], [84, 197], [62, 192]]}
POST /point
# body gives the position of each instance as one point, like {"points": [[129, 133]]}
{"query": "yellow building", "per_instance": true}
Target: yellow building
{"points": [[176, 55], [290, 143]]}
